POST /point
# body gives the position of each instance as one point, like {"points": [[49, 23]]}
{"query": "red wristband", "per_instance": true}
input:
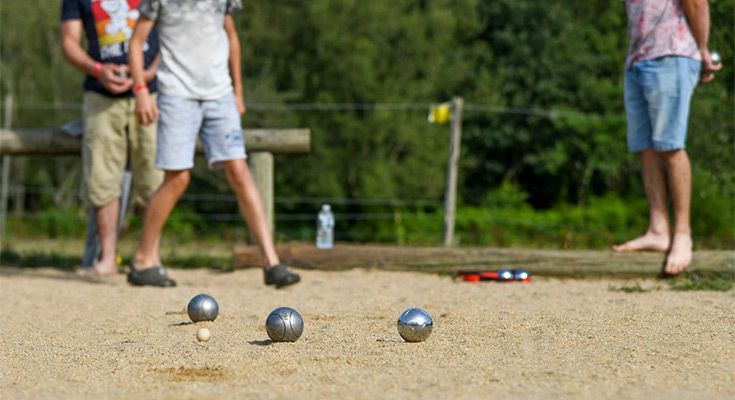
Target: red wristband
{"points": [[97, 68], [139, 87]]}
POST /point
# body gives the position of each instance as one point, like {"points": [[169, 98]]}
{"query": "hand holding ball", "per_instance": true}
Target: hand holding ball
{"points": [[715, 57]]}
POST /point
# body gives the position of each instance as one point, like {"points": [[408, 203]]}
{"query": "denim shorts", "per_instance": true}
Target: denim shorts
{"points": [[657, 97], [181, 120]]}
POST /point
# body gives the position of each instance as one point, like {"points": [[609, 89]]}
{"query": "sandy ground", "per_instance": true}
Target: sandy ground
{"points": [[62, 337]]}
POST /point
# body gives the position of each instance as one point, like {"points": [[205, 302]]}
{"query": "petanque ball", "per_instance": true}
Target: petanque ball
{"points": [[520, 275], [505, 275], [715, 56], [284, 324], [415, 325], [202, 308]]}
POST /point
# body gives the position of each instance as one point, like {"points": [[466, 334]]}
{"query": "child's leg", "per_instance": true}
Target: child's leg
{"points": [[251, 207], [178, 125], [157, 212], [223, 143]]}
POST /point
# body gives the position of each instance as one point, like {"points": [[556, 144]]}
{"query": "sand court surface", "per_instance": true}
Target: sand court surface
{"points": [[67, 337]]}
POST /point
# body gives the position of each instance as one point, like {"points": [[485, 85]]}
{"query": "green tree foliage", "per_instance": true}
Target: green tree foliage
{"points": [[544, 125]]}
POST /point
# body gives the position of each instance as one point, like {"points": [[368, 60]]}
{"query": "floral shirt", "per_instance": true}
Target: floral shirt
{"points": [[658, 28]]}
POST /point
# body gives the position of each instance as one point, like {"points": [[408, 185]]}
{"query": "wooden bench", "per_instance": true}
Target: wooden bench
{"points": [[261, 144]]}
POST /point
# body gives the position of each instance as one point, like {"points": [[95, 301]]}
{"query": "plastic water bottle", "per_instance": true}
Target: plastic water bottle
{"points": [[325, 227]]}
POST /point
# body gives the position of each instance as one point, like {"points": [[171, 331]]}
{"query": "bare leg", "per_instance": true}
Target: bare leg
{"points": [[656, 237], [251, 207], [107, 216], [159, 208], [680, 184], [156, 247]]}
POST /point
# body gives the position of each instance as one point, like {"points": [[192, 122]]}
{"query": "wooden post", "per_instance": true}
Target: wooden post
{"points": [[450, 197], [261, 167], [7, 115]]}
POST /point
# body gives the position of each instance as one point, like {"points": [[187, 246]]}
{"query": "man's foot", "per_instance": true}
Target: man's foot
{"points": [[280, 276], [648, 242], [680, 255], [88, 272]]}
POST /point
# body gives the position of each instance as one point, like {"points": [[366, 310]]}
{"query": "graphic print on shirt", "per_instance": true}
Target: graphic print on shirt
{"points": [[114, 21]]}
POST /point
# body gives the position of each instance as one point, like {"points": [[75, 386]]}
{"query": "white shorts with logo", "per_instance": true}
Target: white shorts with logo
{"points": [[216, 122]]}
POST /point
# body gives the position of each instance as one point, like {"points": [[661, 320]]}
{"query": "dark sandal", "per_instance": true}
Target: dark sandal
{"points": [[155, 276], [280, 276]]}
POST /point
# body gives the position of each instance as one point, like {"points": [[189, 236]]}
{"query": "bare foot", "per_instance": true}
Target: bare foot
{"points": [[648, 242], [93, 271], [680, 255]]}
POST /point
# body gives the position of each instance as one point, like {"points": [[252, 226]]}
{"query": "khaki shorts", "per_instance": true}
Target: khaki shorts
{"points": [[110, 133]]}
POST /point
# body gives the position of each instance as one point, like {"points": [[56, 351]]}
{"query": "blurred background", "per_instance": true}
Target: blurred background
{"points": [[543, 159]]}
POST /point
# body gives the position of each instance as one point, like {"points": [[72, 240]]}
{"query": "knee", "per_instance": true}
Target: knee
{"points": [[178, 180], [648, 154], [237, 173], [673, 155]]}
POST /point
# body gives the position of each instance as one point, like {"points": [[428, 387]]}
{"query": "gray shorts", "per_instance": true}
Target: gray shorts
{"points": [[181, 121]]}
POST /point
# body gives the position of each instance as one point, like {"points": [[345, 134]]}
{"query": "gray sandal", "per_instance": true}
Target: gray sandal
{"points": [[155, 276], [280, 276]]}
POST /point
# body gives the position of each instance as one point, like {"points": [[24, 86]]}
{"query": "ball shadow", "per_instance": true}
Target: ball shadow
{"points": [[266, 342], [181, 324]]}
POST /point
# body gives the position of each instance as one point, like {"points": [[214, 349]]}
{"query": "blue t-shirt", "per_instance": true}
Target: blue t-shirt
{"points": [[109, 26]]}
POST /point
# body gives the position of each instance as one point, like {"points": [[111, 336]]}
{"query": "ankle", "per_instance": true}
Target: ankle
{"points": [[658, 232]]}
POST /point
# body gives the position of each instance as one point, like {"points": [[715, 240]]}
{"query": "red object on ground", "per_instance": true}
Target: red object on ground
{"points": [[483, 276]]}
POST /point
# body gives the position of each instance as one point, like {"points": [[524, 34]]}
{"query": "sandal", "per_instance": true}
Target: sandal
{"points": [[280, 276], [155, 276]]}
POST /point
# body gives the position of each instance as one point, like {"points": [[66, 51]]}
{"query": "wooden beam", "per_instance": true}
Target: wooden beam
{"points": [[553, 263], [55, 142]]}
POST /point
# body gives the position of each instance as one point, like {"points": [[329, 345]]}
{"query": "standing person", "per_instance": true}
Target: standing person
{"points": [[200, 95], [110, 126], [667, 56]]}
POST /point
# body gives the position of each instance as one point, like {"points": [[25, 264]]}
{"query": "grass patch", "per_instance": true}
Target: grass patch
{"points": [[718, 283], [10, 258], [222, 263], [636, 288]]}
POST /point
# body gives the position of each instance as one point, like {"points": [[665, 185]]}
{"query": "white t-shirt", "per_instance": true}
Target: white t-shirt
{"points": [[194, 47]]}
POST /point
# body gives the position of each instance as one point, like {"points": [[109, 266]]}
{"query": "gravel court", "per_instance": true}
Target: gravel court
{"points": [[64, 337]]}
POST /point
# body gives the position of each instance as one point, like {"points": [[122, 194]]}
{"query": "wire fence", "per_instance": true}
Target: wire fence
{"points": [[470, 107], [405, 209], [289, 211]]}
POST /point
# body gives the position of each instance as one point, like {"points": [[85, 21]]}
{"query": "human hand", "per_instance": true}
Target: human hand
{"points": [[146, 110], [149, 74], [240, 103], [115, 78], [708, 69]]}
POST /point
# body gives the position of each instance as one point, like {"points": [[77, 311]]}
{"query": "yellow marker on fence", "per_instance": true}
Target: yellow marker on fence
{"points": [[440, 113]]}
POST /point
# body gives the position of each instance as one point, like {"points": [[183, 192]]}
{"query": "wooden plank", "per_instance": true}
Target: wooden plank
{"points": [[57, 142], [556, 263]]}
